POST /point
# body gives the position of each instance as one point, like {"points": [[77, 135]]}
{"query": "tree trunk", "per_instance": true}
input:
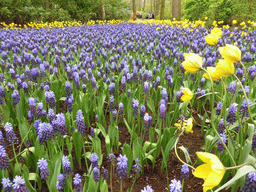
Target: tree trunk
{"points": [[144, 4], [151, 6], [171, 8], [139, 5], [134, 9], [176, 9], [103, 12], [157, 6], [162, 10]]}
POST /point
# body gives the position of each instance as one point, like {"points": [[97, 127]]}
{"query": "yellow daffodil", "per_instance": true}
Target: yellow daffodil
{"points": [[193, 63], [234, 22], [213, 73], [231, 53], [212, 171], [185, 124], [211, 39], [187, 95], [242, 24], [217, 31], [225, 68], [205, 18]]}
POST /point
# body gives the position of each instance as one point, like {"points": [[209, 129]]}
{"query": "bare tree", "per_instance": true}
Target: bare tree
{"points": [[162, 10], [176, 9]]}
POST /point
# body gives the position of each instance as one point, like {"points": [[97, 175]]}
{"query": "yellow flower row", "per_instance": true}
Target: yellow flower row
{"points": [[185, 23]]}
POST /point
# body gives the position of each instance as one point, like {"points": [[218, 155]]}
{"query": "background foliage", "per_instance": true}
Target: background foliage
{"points": [[220, 10], [24, 11]]}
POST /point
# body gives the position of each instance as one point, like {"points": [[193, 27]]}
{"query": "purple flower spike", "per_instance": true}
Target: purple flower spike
{"points": [[121, 108], [122, 166], [218, 110], [135, 106], [184, 171], [147, 189], [50, 98], [137, 167], [221, 126], [1, 139], [4, 161], [220, 144], [10, 134], [162, 109], [94, 160], [45, 132], [43, 166], [32, 104], [7, 185], [19, 184], [61, 182], [80, 122], [105, 174], [66, 166], [77, 182], [15, 97], [146, 87], [175, 186], [51, 115], [231, 118], [232, 87], [96, 176], [254, 141], [243, 111], [68, 89], [61, 124], [250, 182]]}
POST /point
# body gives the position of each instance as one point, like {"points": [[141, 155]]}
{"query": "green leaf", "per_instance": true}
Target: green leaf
{"points": [[104, 186], [35, 177], [23, 128], [108, 146], [54, 168], [96, 145], [26, 177], [185, 151], [128, 151], [240, 173], [102, 129], [78, 144]]}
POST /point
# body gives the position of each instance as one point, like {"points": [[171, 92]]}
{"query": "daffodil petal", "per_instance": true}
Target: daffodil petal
{"points": [[202, 171], [213, 180]]}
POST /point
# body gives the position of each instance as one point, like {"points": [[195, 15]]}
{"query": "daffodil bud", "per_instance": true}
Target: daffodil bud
{"points": [[212, 171], [193, 63], [213, 73], [187, 95], [211, 39], [225, 68], [231, 53]]}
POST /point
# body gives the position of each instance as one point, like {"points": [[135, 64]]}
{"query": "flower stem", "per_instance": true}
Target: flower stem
{"points": [[175, 149], [236, 167], [244, 70], [212, 124], [133, 182], [245, 98]]}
